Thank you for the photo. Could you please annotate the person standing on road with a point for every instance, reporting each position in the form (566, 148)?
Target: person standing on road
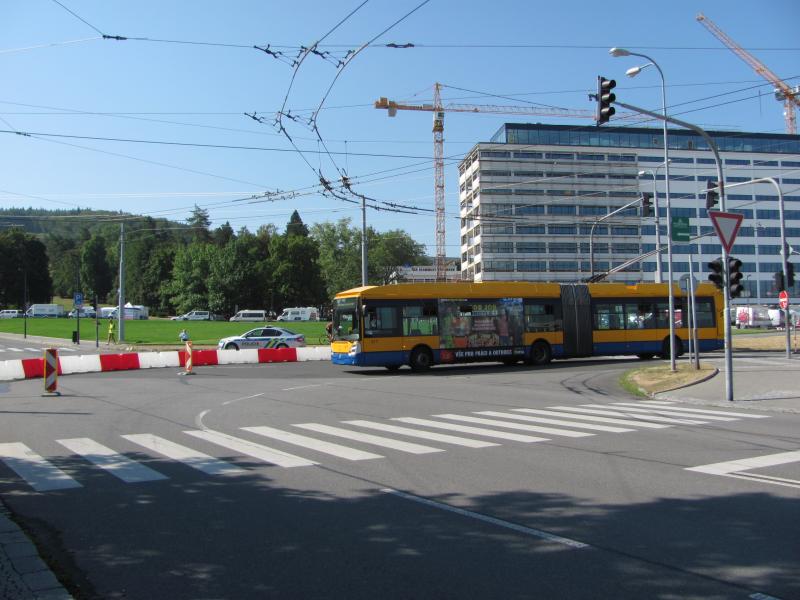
(112, 336)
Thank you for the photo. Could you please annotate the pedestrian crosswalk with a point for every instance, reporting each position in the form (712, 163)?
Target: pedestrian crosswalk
(309, 444)
(32, 349)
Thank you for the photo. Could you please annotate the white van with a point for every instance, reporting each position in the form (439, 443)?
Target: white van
(299, 313)
(45, 310)
(255, 316)
(10, 313)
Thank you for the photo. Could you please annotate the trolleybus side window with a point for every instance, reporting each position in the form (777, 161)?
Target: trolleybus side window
(542, 316)
(420, 319)
(704, 307)
(381, 321)
(609, 316)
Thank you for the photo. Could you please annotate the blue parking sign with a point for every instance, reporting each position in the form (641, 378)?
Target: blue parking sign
(78, 299)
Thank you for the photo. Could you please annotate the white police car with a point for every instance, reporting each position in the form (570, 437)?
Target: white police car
(263, 337)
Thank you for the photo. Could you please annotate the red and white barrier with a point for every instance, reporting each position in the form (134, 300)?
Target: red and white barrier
(31, 368)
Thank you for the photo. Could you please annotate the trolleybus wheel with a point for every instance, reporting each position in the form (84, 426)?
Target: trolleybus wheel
(665, 348)
(645, 355)
(421, 359)
(541, 354)
(392, 367)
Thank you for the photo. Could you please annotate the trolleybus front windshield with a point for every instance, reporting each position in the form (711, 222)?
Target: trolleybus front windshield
(345, 319)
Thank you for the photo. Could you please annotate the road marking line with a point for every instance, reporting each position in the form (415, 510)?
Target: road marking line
(301, 387)
(40, 474)
(674, 412)
(247, 448)
(487, 519)
(427, 435)
(593, 426)
(701, 412)
(15, 349)
(34, 349)
(115, 463)
(369, 439)
(193, 458)
(64, 349)
(313, 444)
(745, 464)
(555, 413)
(492, 433)
(601, 409)
(236, 400)
(520, 426)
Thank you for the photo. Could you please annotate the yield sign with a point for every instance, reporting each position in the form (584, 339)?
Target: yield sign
(727, 226)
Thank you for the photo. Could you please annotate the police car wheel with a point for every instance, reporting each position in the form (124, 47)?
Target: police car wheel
(231, 347)
(281, 346)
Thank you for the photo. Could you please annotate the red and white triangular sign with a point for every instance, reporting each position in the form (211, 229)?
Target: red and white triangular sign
(727, 226)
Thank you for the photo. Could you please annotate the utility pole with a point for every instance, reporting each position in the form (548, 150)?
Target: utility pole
(121, 307)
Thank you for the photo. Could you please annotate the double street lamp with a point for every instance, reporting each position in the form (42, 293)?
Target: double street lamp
(632, 72)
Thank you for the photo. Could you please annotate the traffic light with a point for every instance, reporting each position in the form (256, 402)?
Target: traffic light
(779, 282)
(712, 196)
(789, 274)
(716, 276)
(647, 208)
(605, 99)
(735, 277)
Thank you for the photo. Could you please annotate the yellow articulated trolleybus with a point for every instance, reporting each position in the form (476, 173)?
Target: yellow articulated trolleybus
(423, 324)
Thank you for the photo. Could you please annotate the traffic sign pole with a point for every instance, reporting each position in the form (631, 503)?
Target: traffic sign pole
(783, 302)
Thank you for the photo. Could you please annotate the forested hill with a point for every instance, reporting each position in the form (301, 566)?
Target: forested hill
(77, 222)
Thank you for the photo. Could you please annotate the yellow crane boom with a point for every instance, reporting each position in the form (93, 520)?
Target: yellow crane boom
(790, 96)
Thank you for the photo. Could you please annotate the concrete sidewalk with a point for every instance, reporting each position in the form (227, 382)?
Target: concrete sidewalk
(23, 574)
(761, 381)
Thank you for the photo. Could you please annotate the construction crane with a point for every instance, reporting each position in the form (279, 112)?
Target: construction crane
(790, 96)
(438, 111)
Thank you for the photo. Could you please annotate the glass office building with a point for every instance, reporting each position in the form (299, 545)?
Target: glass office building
(534, 198)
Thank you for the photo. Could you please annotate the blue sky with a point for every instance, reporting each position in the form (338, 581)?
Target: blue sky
(532, 52)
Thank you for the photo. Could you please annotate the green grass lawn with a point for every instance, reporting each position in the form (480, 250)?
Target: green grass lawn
(156, 331)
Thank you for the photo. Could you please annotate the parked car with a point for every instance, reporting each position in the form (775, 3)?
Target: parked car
(87, 312)
(263, 337)
(256, 316)
(10, 313)
(194, 315)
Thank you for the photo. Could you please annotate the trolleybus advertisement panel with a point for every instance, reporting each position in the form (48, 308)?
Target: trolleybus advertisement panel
(480, 329)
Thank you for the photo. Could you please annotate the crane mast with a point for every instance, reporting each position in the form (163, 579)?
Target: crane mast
(783, 93)
(438, 111)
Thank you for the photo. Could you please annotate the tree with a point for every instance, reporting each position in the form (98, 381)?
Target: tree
(188, 289)
(296, 226)
(65, 268)
(223, 234)
(295, 270)
(339, 255)
(389, 250)
(199, 222)
(96, 274)
(24, 269)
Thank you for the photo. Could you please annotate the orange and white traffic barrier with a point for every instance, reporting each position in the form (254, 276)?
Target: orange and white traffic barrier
(187, 367)
(33, 368)
(51, 371)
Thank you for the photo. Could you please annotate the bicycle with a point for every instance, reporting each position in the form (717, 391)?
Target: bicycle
(324, 339)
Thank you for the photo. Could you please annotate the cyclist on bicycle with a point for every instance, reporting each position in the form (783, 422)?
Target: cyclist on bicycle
(329, 330)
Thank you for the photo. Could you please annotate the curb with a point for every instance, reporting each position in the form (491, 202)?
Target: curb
(32, 368)
(713, 373)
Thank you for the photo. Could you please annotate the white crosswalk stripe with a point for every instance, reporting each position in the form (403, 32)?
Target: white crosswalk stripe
(531, 419)
(248, 448)
(672, 412)
(193, 458)
(427, 435)
(39, 473)
(64, 349)
(34, 349)
(482, 431)
(313, 444)
(520, 426)
(592, 418)
(618, 413)
(369, 438)
(117, 464)
(702, 411)
(16, 349)
(648, 414)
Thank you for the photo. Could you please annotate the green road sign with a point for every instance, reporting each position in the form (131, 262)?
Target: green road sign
(681, 232)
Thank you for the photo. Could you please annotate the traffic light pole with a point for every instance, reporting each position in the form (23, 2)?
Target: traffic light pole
(723, 205)
(784, 257)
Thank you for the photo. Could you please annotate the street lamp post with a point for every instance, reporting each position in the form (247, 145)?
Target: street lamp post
(659, 278)
(632, 72)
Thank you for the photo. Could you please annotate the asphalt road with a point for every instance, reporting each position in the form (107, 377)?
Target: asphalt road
(191, 505)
